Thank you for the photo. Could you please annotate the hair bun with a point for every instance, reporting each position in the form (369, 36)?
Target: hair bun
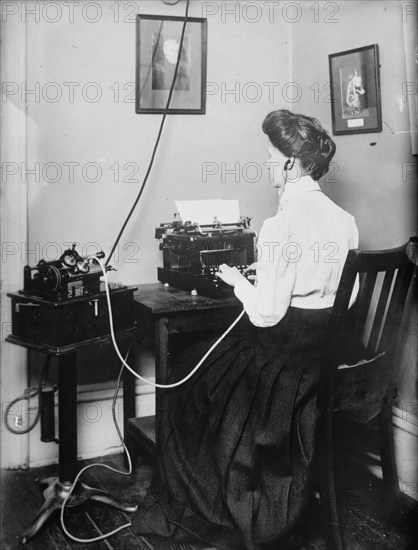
(303, 137)
(325, 149)
(320, 140)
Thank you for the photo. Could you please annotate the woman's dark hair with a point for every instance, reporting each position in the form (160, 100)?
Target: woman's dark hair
(302, 137)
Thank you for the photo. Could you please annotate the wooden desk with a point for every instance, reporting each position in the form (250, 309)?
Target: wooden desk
(165, 311)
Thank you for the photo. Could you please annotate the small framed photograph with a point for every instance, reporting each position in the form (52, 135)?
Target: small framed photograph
(158, 42)
(355, 91)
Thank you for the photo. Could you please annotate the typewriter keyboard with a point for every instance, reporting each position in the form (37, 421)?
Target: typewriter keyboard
(210, 272)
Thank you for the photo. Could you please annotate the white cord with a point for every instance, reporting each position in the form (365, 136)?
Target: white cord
(101, 537)
(112, 333)
(125, 365)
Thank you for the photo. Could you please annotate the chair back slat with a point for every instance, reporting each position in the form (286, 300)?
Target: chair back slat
(345, 287)
(381, 311)
(391, 329)
(364, 302)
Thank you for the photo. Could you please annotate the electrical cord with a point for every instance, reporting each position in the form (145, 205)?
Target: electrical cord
(29, 393)
(112, 333)
(154, 152)
(33, 392)
(125, 365)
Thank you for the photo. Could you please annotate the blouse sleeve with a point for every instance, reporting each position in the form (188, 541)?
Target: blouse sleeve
(266, 302)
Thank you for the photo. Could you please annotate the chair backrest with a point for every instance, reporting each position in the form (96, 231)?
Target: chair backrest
(375, 320)
(376, 316)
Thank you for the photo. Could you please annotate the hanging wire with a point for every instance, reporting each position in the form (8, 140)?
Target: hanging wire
(154, 152)
(29, 393)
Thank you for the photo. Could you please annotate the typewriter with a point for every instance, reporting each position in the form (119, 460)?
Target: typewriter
(192, 254)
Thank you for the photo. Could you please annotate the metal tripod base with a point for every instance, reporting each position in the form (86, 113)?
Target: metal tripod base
(56, 493)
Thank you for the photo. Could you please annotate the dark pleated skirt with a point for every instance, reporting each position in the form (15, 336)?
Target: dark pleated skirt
(237, 440)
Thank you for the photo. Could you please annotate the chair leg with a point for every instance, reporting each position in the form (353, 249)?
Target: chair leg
(328, 492)
(334, 531)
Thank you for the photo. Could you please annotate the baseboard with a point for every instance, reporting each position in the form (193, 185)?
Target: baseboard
(406, 420)
(97, 435)
(405, 429)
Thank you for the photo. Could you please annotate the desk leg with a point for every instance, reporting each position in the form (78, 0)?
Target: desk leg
(161, 369)
(67, 387)
(129, 407)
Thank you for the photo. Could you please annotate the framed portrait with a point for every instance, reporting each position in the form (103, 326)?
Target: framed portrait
(158, 41)
(355, 91)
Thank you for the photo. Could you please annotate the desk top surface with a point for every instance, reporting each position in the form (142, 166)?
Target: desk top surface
(71, 348)
(159, 300)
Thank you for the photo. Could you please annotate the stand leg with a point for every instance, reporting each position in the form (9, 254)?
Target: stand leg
(67, 384)
(51, 503)
(58, 488)
(56, 493)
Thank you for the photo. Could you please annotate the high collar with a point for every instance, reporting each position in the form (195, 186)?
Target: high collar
(296, 188)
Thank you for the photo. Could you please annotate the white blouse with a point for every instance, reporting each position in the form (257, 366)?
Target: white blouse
(301, 254)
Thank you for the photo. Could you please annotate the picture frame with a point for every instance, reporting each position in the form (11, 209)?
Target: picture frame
(157, 45)
(355, 91)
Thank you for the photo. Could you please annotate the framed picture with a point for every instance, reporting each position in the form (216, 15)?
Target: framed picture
(355, 91)
(158, 41)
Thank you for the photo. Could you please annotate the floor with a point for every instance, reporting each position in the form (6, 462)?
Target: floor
(366, 512)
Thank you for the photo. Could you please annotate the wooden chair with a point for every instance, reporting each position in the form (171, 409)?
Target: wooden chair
(373, 324)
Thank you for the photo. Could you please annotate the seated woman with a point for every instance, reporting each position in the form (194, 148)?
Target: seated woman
(236, 441)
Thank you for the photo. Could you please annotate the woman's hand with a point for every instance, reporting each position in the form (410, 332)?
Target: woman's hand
(229, 275)
(252, 272)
